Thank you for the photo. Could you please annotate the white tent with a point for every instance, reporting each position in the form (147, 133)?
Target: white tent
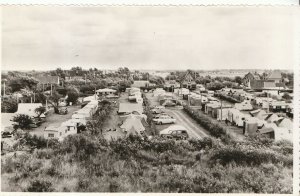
(28, 108)
(133, 125)
(282, 133)
(285, 123)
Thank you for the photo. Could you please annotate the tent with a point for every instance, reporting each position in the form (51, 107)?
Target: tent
(251, 126)
(282, 133)
(260, 114)
(271, 117)
(285, 123)
(133, 125)
(28, 108)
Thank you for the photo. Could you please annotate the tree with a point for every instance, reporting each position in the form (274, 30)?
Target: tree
(54, 101)
(238, 80)
(9, 106)
(40, 110)
(23, 121)
(18, 83)
(73, 95)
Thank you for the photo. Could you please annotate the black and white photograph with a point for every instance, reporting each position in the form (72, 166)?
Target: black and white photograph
(147, 99)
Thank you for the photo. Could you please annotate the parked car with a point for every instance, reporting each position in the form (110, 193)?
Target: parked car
(175, 132)
(164, 119)
(157, 109)
(6, 134)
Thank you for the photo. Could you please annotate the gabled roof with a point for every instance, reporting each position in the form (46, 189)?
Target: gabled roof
(274, 75)
(130, 107)
(47, 79)
(28, 108)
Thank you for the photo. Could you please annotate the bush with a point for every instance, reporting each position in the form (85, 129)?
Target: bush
(40, 186)
(253, 157)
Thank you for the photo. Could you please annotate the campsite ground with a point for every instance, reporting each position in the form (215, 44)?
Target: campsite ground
(54, 119)
(196, 131)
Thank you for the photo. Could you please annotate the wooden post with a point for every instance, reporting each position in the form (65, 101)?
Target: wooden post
(51, 89)
(221, 109)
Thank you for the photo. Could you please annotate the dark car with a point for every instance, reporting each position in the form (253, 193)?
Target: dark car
(179, 134)
(6, 135)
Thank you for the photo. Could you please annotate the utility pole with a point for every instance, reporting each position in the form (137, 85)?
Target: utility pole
(221, 110)
(34, 97)
(4, 88)
(51, 89)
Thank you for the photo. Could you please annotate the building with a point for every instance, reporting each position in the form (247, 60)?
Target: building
(170, 85)
(48, 79)
(127, 108)
(142, 84)
(189, 80)
(29, 109)
(105, 92)
(275, 76)
(250, 77)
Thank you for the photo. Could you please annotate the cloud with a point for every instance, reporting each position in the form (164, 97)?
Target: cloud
(147, 37)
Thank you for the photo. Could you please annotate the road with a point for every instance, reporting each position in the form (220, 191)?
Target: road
(194, 130)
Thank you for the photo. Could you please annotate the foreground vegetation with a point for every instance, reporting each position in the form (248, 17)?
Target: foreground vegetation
(88, 163)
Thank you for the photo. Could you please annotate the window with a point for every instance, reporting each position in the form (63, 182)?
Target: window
(51, 135)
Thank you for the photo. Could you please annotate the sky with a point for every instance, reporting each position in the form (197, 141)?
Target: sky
(144, 37)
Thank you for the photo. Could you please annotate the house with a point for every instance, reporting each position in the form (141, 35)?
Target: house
(133, 126)
(71, 127)
(54, 132)
(170, 85)
(188, 81)
(250, 77)
(275, 76)
(105, 92)
(142, 84)
(29, 109)
(127, 108)
(47, 79)
(278, 106)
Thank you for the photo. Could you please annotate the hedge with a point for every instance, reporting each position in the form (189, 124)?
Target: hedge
(214, 128)
(228, 98)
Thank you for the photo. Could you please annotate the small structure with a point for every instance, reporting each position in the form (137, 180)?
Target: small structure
(52, 132)
(285, 123)
(127, 108)
(6, 122)
(70, 126)
(105, 92)
(29, 109)
(244, 106)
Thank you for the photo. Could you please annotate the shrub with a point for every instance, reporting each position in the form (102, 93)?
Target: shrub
(40, 186)
(214, 128)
